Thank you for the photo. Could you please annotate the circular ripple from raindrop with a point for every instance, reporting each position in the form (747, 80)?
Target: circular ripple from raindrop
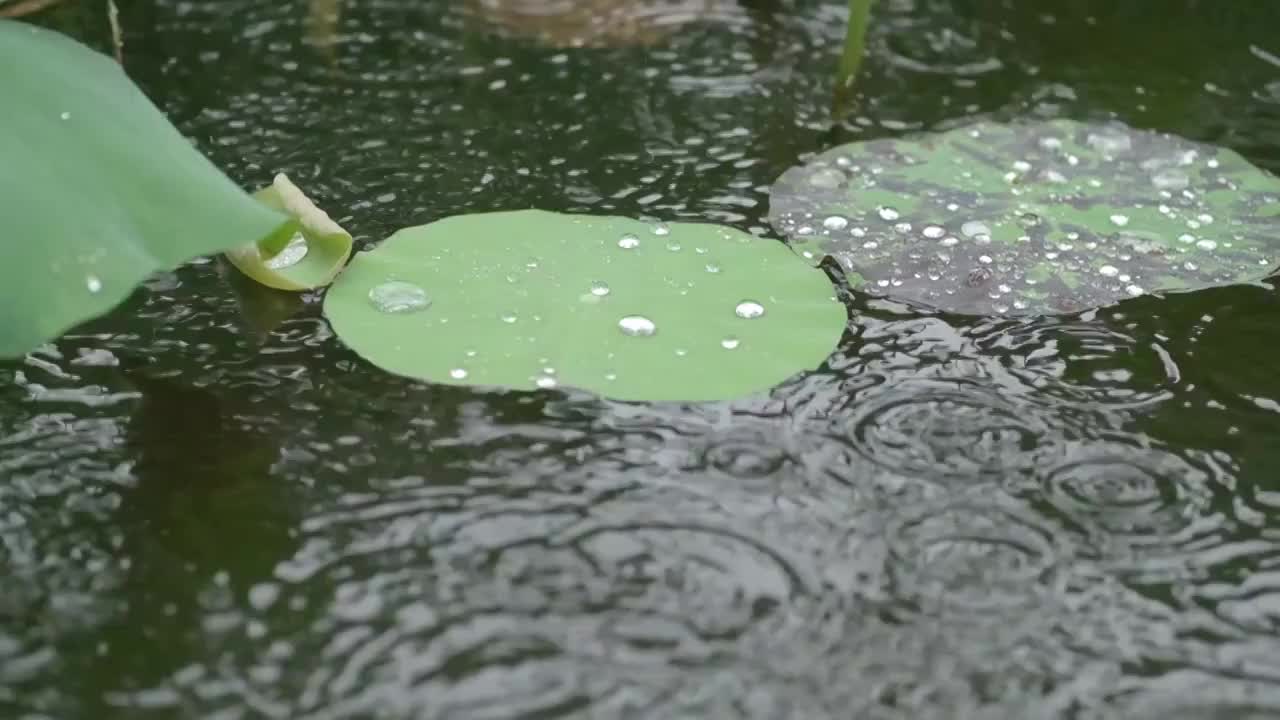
(936, 429)
(968, 556)
(1114, 490)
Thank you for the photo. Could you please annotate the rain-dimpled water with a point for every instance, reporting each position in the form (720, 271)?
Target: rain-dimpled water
(206, 514)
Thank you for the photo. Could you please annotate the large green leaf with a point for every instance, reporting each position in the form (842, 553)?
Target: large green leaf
(1033, 218)
(98, 190)
(630, 310)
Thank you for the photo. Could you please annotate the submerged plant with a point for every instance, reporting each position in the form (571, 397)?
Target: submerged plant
(1030, 218)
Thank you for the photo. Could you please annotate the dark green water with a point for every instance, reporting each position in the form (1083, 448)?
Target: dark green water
(1071, 517)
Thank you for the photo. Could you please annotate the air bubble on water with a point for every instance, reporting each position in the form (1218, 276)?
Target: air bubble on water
(1109, 270)
(629, 242)
(1054, 176)
(1021, 165)
(599, 288)
(637, 326)
(1206, 244)
(661, 228)
(973, 228)
(1187, 238)
(1205, 218)
(93, 283)
(290, 255)
(458, 374)
(886, 213)
(949, 241)
(65, 116)
(933, 232)
(984, 259)
(749, 309)
(1120, 220)
(804, 230)
(395, 296)
(836, 222)
(730, 343)
(1050, 143)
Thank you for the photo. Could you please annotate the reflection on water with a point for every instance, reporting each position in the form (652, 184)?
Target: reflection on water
(209, 508)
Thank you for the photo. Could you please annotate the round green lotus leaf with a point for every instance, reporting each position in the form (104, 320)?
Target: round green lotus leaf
(630, 310)
(1032, 218)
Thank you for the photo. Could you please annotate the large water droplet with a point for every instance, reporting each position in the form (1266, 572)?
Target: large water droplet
(1109, 143)
(673, 246)
(458, 374)
(730, 343)
(713, 268)
(93, 283)
(637, 326)
(836, 222)
(827, 178)
(661, 229)
(933, 232)
(974, 228)
(629, 242)
(1120, 220)
(395, 296)
(749, 309)
(290, 255)
(1170, 179)
(599, 289)
(1109, 270)
(887, 213)
(1207, 244)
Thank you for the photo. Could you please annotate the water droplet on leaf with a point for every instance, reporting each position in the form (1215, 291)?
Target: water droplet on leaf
(637, 326)
(290, 255)
(398, 297)
(749, 309)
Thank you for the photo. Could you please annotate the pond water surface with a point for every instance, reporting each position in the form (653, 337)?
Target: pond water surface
(955, 517)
